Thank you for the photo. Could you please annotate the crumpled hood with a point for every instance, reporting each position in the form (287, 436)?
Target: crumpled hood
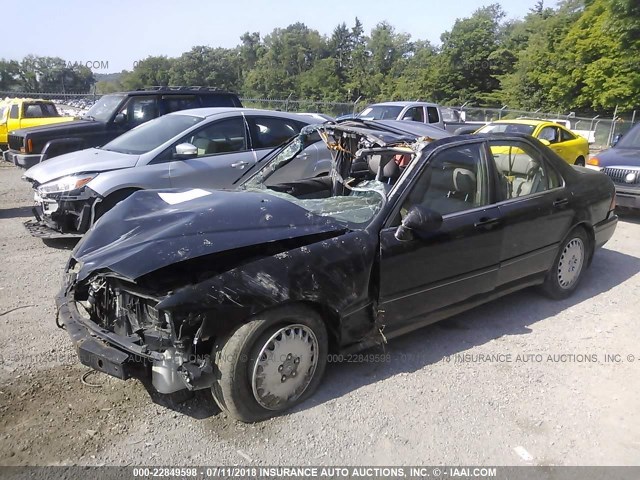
(155, 228)
(620, 157)
(82, 161)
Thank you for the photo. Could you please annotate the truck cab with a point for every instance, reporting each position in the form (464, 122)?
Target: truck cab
(422, 112)
(17, 113)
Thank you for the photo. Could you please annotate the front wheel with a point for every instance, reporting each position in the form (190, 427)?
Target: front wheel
(568, 267)
(270, 364)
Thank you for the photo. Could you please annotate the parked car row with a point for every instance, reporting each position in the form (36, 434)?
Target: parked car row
(202, 148)
(232, 249)
(108, 118)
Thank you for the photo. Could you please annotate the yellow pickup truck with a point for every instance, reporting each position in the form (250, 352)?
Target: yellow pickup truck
(18, 113)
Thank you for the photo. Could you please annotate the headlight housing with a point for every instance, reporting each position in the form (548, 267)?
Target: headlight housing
(66, 184)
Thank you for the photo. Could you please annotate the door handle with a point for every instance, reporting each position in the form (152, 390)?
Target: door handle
(240, 164)
(486, 223)
(561, 202)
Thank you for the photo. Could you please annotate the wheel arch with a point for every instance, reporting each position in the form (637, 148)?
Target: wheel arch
(588, 228)
(329, 316)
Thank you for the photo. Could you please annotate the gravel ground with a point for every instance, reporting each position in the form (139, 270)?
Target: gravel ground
(548, 396)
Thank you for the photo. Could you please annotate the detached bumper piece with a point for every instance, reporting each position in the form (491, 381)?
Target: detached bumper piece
(95, 353)
(22, 160)
(41, 230)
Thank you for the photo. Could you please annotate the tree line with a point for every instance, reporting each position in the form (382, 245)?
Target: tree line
(580, 55)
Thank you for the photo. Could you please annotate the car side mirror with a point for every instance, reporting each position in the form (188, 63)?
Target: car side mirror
(185, 151)
(545, 141)
(420, 221)
(120, 118)
(615, 140)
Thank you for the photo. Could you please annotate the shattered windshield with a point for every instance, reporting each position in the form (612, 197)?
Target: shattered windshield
(353, 190)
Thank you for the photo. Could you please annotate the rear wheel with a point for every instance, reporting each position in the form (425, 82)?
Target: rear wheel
(270, 364)
(568, 267)
(580, 161)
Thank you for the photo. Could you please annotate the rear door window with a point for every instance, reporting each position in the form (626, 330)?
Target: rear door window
(432, 114)
(269, 132)
(565, 135)
(14, 112)
(219, 101)
(521, 169)
(174, 103)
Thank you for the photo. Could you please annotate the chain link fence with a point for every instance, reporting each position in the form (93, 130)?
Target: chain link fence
(600, 130)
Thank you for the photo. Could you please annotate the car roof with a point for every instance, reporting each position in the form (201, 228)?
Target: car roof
(173, 91)
(404, 104)
(206, 112)
(526, 121)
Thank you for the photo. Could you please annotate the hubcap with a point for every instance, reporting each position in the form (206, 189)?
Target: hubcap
(570, 264)
(284, 367)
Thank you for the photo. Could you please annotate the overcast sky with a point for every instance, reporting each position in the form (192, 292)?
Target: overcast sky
(118, 32)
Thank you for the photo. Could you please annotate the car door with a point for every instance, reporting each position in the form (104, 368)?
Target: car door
(535, 208)
(223, 155)
(454, 264)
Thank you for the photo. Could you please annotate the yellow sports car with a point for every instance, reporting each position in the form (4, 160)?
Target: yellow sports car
(573, 148)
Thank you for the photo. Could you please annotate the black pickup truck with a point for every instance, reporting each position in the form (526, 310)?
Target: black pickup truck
(109, 117)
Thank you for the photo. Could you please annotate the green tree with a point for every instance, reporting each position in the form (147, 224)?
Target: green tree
(598, 67)
(149, 72)
(528, 84)
(466, 69)
(206, 66)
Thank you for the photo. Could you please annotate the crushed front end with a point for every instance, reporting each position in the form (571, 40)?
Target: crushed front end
(117, 329)
(64, 208)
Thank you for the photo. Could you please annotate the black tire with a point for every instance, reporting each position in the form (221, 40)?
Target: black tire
(565, 275)
(236, 358)
(580, 161)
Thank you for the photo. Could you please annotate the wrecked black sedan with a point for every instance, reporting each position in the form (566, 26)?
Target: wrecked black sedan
(246, 291)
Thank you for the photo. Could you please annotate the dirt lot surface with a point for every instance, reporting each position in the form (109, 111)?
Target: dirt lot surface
(524, 380)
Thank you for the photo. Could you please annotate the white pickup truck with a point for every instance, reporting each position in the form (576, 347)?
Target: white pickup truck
(423, 112)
